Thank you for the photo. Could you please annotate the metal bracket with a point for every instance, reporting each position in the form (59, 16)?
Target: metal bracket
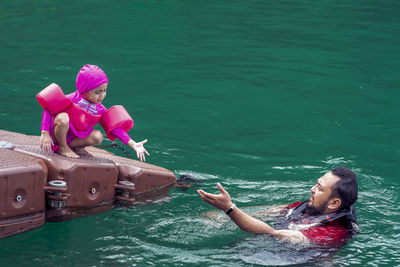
(6, 145)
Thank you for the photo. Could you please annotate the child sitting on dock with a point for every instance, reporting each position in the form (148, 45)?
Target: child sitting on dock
(59, 132)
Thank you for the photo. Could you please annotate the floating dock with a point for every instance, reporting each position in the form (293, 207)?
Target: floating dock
(36, 187)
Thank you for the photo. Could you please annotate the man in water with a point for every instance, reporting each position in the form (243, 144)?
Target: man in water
(327, 218)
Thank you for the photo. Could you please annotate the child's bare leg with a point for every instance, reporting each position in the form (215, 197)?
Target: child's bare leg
(79, 144)
(61, 127)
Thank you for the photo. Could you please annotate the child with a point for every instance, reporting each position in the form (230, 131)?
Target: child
(59, 133)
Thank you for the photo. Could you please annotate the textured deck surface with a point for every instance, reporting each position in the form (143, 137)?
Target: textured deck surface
(30, 144)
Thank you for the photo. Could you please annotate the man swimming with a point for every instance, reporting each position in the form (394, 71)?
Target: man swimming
(327, 218)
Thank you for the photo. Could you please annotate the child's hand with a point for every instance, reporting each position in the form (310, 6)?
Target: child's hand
(46, 141)
(139, 148)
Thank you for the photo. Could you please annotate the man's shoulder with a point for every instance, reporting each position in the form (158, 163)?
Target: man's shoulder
(332, 233)
(293, 205)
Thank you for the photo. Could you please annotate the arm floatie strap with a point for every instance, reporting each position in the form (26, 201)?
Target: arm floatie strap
(116, 117)
(53, 99)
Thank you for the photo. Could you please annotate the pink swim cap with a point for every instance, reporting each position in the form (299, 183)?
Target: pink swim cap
(90, 77)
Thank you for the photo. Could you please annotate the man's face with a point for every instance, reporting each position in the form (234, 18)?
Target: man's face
(321, 194)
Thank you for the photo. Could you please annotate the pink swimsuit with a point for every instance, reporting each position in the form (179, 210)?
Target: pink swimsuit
(95, 109)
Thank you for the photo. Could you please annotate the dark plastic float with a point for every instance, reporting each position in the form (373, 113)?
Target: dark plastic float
(36, 187)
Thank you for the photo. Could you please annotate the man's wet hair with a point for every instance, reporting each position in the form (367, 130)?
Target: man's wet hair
(346, 188)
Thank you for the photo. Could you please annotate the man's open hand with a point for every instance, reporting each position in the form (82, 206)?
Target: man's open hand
(221, 201)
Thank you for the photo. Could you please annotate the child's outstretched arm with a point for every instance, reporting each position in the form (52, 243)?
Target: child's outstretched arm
(127, 140)
(139, 148)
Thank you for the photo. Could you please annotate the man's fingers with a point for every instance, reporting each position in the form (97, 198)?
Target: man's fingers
(221, 188)
(204, 196)
(209, 196)
(145, 151)
(201, 193)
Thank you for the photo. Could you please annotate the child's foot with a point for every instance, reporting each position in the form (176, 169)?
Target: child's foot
(83, 151)
(66, 152)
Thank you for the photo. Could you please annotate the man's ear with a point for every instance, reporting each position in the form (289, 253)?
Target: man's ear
(334, 203)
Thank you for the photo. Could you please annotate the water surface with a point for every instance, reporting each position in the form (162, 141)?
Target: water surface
(262, 96)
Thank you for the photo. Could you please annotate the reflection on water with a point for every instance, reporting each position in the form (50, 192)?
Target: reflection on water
(267, 251)
(182, 230)
(208, 231)
(207, 236)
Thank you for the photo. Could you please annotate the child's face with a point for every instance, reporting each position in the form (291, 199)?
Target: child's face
(97, 94)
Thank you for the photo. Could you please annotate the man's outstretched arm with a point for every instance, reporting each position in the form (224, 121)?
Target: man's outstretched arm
(245, 222)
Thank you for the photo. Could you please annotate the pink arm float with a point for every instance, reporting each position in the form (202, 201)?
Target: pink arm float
(53, 100)
(116, 118)
(116, 121)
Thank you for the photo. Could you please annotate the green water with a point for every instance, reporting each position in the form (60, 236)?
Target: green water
(262, 96)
